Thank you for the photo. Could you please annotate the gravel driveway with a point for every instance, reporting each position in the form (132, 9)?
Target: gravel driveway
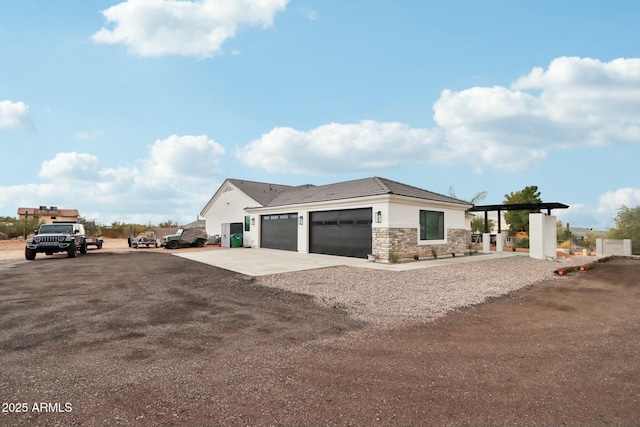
(390, 298)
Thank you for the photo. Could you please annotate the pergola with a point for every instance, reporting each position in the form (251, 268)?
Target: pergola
(531, 207)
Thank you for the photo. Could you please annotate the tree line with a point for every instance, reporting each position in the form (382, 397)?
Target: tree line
(11, 227)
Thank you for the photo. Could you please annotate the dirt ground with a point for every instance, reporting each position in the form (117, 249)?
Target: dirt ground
(138, 337)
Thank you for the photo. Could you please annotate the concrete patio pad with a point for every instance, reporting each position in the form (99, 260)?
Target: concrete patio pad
(260, 262)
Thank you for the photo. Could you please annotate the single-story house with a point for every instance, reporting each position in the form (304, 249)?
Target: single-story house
(48, 215)
(355, 218)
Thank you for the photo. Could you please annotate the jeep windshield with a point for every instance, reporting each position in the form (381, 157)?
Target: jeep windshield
(56, 229)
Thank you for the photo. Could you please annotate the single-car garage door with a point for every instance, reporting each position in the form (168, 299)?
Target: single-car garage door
(344, 232)
(279, 231)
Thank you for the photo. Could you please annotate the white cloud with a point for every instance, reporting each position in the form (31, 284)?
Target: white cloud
(88, 136)
(173, 182)
(610, 202)
(14, 115)
(581, 102)
(183, 157)
(576, 102)
(70, 167)
(189, 28)
(581, 73)
(338, 148)
(602, 215)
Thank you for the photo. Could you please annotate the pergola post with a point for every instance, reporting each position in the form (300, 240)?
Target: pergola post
(499, 239)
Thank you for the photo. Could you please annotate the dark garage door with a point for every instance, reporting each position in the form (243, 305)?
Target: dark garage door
(279, 231)
(345, 232)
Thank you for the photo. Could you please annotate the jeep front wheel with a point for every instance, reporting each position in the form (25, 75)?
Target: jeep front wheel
(71, 252)
(30, 254)
(173, 244)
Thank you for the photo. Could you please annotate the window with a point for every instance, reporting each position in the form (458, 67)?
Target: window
(431, 225)
(247, 223)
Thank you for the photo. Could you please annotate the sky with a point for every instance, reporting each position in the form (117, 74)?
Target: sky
(138, 110)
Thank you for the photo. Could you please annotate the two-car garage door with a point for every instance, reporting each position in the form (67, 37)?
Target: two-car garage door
(345, 232)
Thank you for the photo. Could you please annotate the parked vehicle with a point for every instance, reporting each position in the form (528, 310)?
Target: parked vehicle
(185, 237)
(95, 241)
(66, 237)
(147, 240)
(213, 240)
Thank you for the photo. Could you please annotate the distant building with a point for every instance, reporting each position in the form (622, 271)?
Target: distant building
(48, 215)
(580, 234)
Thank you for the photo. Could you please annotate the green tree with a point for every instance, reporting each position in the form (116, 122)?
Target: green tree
(168, 224)
(12, 227)
(91, 227)
(519, 220)
(477, 224)
(627, 226)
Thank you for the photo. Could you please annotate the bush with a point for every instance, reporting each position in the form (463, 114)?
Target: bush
(522, 243)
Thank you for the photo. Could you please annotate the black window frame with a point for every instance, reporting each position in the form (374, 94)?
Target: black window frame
(431, 225)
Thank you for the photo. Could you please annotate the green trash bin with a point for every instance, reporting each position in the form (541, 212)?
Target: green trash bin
(236, 240)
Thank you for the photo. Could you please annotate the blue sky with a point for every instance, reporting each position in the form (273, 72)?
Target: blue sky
(137, 110)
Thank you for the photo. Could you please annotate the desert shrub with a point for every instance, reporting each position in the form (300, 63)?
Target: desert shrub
(522, 243)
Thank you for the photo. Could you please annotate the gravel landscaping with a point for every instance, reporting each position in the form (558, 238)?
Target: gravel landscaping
(391, 299)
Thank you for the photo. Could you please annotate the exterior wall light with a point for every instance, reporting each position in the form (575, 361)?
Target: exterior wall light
(378, 217)
(301, 220)
(253, 221)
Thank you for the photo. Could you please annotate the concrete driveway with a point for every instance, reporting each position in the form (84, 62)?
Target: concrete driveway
(261, 262)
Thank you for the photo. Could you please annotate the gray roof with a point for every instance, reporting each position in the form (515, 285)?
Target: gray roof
(353, 189)
(261, 192)
(580, 231)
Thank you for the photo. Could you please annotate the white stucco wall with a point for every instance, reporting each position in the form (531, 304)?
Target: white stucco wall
(405, 213)
(226, 208)
(542, 236)
(396, 212)
(606, 247)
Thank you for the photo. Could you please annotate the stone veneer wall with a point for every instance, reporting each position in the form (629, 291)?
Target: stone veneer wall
(403, 242)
